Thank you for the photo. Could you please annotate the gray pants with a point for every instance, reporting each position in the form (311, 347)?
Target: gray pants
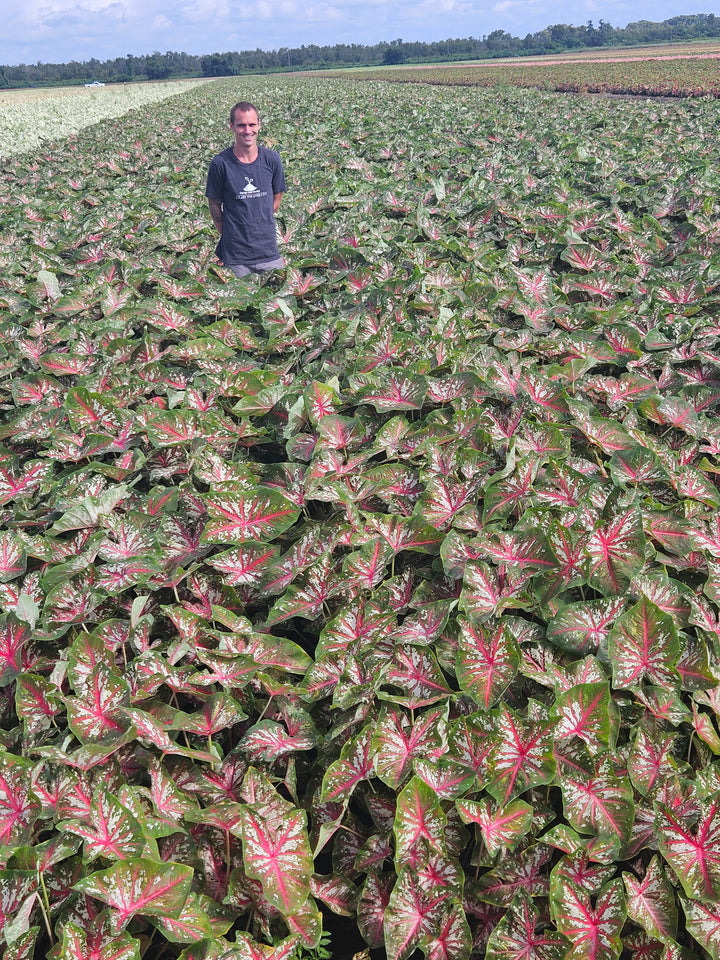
(243, 270)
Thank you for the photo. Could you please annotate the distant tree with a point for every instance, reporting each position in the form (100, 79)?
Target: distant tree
(219, 65)
(393, 55)
(500, 44)
(157, 67)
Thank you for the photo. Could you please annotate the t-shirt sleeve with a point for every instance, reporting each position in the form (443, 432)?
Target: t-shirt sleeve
(215, 186)
(278, 178)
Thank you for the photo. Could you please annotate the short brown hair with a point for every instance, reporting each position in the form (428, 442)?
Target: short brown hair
(243, 106)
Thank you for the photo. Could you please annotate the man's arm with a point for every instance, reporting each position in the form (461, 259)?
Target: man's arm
(277, 200)
(216, 213)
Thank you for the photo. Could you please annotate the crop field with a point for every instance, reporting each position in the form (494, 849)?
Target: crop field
(28, 117)
(374, 606)
(668, 71)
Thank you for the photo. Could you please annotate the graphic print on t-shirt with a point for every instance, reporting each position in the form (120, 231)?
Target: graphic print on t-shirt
(250, 190)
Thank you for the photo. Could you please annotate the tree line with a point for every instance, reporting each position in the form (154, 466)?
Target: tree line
(554, 39)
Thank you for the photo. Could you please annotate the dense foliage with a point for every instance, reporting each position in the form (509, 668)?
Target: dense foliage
(387, 589)
(553, 39)
(679, 74)
(27, 117)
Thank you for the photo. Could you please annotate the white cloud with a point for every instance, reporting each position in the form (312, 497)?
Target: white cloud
(445, 6)
(203, 11)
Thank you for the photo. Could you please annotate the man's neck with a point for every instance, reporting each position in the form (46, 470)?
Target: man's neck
(246, 156)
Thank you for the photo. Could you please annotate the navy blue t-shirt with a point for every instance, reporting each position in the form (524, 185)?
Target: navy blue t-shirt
(246, 191)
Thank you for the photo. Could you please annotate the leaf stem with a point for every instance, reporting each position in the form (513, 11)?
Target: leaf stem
(45, 906)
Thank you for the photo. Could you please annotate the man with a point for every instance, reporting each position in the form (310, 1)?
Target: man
(245, 186)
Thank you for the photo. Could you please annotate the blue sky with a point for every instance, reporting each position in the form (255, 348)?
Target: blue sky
(57, 31)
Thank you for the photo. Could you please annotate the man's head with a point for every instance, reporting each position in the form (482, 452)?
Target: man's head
(245, 124)
(243, 107)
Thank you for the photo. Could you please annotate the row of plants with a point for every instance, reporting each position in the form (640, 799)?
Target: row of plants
(649, 76)
(379, 598)
(29, 117)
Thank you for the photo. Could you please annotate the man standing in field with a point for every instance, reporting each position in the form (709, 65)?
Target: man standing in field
(245, 186)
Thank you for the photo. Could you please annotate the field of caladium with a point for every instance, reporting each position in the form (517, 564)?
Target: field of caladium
(28, 117)
(675, 71)
(378, 601)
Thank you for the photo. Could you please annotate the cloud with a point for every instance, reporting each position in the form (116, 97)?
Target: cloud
(203, 11)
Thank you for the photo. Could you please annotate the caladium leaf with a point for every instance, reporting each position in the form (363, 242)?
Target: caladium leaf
(95, 716)
(443, 499)
(139, 886)
(651, 902)
(276, 852)
(237, 516)
(263, 650)
(337, 893)
(15, 893)
(522, 754)
(192, 924)
(644, 647)
(354, 765)
(397, 741)
(636, 465)
(583, 627)
(390, 390)
(37, 702)
(416, 672)
(587, 711)
(18, 482)
(703, 923)
(452, 938)
(419, 823)
(18, 808)
(487, 659)
(593, 931)
(517, 937)
(81, 944)
(654, 759)
(506, 495)
(599, 803)
(488, 592)
(245, 948)
(604, 433)
(567, 548)
(270, 741)
(13, 558)
(365, 568)
(616, 552)
(372, 903)
(218, 712)
(576, 868)
(416, 916)
(501, 827)
(170, 803)
(693, 853)
(110, 830)
(90, 412)
(246, 564)
(14, 648)
(23, 948)
(89, 510)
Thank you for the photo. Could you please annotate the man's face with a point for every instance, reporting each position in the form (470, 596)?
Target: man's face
(245, 126)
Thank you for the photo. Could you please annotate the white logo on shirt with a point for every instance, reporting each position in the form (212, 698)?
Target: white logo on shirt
(249, 186)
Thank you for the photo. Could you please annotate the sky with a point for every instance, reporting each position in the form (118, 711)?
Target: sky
(58, 31)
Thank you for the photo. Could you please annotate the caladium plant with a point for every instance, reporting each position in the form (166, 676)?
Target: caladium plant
(375, 598)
